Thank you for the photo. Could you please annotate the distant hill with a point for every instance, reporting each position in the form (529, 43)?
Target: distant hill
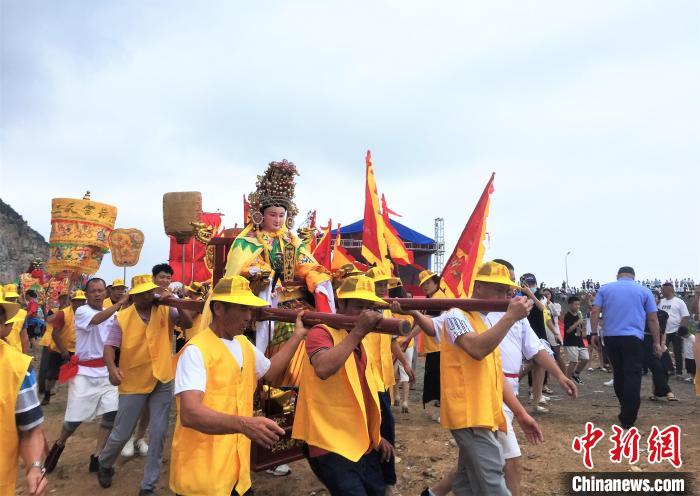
(19, 244)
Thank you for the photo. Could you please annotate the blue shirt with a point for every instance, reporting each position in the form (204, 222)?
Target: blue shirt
(625, 306)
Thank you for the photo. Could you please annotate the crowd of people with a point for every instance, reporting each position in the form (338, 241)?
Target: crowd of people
(125, 352)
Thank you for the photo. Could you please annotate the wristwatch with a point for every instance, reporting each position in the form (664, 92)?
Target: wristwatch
(37, 464)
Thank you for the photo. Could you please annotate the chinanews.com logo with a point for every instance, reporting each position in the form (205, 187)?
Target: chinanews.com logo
(663, 445)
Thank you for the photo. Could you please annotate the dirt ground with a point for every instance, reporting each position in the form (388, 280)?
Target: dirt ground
(425, 452)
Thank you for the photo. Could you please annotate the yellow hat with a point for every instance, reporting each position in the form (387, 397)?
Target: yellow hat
(236, 289)
(11, 310)
(358, 288)
(78, 295)
(377, 274)
(142, 283)
(11, 291)
(118, 283)
(495, 273)
(196, 288)
(425, 275)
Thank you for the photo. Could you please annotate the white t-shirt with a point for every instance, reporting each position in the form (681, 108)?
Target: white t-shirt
(454, 322)
(191, 374)
(688, 343)
(90, 339)
(521, 341)
(676, 309)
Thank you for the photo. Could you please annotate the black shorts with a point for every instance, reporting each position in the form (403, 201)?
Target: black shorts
(55, 362)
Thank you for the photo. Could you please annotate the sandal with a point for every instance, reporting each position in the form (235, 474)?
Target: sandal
(656, 398)
(280, 471)
(671, 397)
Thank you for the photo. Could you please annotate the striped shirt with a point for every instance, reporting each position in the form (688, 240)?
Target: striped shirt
(28, 412)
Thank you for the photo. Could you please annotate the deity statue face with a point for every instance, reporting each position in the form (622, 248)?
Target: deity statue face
(273, 219)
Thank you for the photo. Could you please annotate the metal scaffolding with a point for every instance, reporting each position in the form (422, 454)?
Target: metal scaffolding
(439, 260)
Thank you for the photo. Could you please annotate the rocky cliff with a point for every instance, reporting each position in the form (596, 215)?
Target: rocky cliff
(19, 244)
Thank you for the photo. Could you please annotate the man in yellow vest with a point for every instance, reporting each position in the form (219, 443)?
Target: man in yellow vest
(471, 378)
(61, 342)
(143, 334)
(215, 380)
(18, 336)
(338, 413)
(20, 413)
(382, 349)
(115, 292)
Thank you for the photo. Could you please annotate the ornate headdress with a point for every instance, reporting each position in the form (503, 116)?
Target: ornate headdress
(275, 188)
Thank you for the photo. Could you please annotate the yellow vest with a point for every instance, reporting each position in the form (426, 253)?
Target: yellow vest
(106, 303)
(67, 332)
(471, 390)
(14, 367)
(145, 352)
(378, 348)
(47, 339)
(331, 414)
(13, 338)
(428, 343)
(211, 465)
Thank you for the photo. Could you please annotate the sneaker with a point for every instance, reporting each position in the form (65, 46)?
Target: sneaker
(541, 409)
(279, 470)
(436, 417)
(141, 446)
(547, 389)
(47, 399)
(94, 463)
(53, 456)
(577, 379)
(544, 400)
(128, 449)
(104, 476)
(609, 383)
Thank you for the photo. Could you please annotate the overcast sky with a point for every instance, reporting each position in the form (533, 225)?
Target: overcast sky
(588, 112)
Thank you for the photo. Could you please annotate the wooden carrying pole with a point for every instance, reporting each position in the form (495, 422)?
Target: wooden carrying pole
(395, 327)
(444, 304)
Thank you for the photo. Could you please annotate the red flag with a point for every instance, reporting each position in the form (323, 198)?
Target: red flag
(387, 210)
(195, 254)
(322, 253)
(397, 250)
(467, 256)
(373, 243)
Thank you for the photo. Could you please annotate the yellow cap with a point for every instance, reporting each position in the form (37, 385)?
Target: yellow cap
(425, 275)
(78, 294)
(142, 283)
(11, 291)
(236, 289)
(11, 310)
(495, 273)
(195, 288)
(358, 288)
(377, 274)
(118, 283)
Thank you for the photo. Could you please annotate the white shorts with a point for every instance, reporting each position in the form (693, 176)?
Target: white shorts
(508, 441)
(89, 397)
(399, 372)
(551, 338)
(573, 354)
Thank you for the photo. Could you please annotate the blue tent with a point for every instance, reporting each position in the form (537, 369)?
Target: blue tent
(405, 233)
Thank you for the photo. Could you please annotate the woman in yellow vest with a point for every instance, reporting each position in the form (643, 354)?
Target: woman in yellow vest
(61, 340)
(142, 332)
(338, 414)
(215, 379)
(18, 336)
(382, 350)
(20, 414)
(471, 383)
